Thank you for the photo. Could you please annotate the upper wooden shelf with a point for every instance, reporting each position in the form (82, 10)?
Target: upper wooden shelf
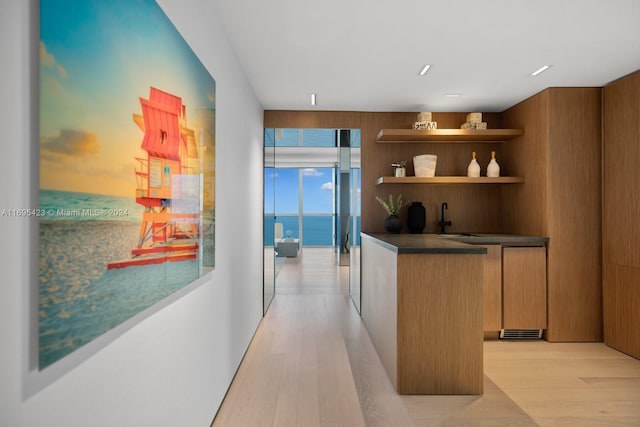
(447, 135)
(449, 180)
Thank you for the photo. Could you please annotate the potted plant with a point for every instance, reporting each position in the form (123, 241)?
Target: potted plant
(393, 223)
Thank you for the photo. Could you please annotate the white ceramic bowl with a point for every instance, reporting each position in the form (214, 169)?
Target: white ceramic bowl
(424, 165)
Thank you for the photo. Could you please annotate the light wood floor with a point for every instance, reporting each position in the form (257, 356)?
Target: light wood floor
(311, 363)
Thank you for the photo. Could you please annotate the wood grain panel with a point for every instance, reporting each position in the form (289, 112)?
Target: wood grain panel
(621, 171)
(439, 324)
(492, 294)
(524, 206)
(379, 302)
(559, 158)
(622, 308)
(524, 288)
(574, 215)
(312, 119)
(621, 210)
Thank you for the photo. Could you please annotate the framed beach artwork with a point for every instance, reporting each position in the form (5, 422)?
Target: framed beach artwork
(126, 212)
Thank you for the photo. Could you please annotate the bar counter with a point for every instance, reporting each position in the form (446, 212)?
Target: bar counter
(422, 305)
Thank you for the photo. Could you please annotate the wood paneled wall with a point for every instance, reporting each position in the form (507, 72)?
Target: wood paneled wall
(524, 208)
(472, 208)
(575, 214)
(559, 157)
(621, 214)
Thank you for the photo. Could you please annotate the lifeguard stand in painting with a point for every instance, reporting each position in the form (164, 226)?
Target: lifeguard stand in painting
(167, 183)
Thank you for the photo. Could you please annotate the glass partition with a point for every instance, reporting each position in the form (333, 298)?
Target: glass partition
(355, 215)
(269, 281)
(312, 190)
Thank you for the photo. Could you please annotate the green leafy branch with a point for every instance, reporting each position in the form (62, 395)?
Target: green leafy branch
(391, 206)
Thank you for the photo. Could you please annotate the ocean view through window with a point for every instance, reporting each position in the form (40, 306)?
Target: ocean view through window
(315, 227)
(303, 181)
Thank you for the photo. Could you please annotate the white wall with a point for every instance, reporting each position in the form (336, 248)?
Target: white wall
(172, 368)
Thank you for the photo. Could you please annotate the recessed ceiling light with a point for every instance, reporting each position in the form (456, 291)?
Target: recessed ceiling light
(313, 99)
(425, 69)
(540, 70)
(452, 95)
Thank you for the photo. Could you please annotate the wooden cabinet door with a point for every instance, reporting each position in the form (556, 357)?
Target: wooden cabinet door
(524, 287)
(493, 288)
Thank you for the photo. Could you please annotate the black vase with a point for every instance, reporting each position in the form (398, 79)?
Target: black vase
(393, 224)
(417, 218)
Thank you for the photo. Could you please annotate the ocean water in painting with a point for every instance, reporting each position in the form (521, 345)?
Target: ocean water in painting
(73, 206)
(80, 299)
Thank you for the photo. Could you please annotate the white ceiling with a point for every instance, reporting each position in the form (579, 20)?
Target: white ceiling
(365, 55)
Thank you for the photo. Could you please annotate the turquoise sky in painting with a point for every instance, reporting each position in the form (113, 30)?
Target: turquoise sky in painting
(97, 59)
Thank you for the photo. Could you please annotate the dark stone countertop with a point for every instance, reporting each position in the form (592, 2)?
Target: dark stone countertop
(454, 243)
(422, 244)
(495, 239)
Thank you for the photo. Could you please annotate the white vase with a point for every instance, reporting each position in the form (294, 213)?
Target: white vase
(473, 170)
(425, 165)
(493, 169)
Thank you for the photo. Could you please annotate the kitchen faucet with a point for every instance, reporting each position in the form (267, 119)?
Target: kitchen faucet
(442, 222)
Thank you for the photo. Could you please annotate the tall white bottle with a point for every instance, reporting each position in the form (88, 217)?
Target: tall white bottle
(473, 170)
(493, 169)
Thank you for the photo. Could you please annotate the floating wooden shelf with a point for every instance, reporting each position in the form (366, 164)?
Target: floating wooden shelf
(449, 180)
(447, 135)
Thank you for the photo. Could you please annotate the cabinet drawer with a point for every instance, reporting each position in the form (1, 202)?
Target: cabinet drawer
(524, 287)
